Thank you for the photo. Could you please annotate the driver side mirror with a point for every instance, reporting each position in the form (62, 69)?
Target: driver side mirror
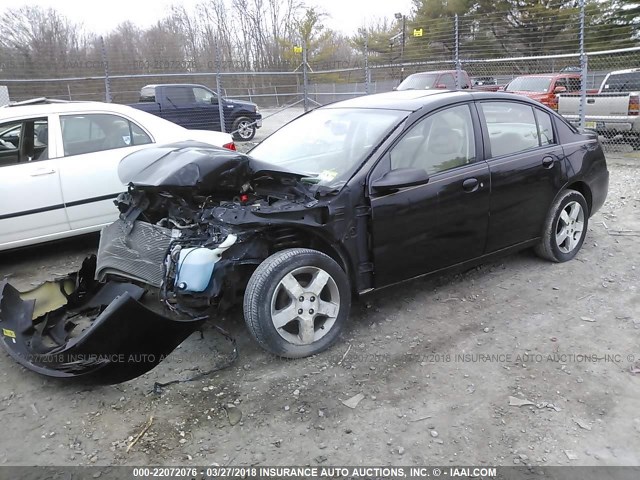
(400, 178)
(559, 89)
(441, 85)
(214, 100)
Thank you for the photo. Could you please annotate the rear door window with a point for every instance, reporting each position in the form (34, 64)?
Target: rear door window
(88, 133)
(511, 126)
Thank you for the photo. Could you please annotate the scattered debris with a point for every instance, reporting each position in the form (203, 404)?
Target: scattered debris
(587, 319)
(634, 369)
(434, 434)
(421, 418)
(548, 405)
(582, 424)
(234, 414)
(624, 233)
(345, 355)
(400, 450)
(519, 402)
(571, 455)
(353, 401)
(142, 432)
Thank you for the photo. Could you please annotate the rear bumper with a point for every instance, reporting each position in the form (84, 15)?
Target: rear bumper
(103, 333)
(620, 124)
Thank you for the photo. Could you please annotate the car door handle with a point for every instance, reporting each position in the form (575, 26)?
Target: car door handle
(42, 171)
(591, 100)
(470, 185)
(547, 162)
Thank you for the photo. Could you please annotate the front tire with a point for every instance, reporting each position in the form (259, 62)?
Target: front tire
(297, 302)
(565, 228)
(244, 128)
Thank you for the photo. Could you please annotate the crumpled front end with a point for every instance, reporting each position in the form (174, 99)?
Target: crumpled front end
(77, 327)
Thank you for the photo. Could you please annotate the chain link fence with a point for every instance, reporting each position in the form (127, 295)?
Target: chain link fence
(480, 49)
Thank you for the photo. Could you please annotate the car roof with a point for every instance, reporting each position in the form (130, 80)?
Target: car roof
(412, 100)
(10, 111)
(551, 75)
(432, 71)
(628, 70)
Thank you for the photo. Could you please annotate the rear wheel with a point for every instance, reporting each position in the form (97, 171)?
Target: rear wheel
(244, 129)
(565, 228)
(297, 302)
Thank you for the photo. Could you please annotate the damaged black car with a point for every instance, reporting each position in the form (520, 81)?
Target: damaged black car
(346, 199)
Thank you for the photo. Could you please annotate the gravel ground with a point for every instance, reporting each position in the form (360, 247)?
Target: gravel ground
(518, 361)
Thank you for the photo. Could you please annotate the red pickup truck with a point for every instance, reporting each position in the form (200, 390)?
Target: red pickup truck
(544, 87)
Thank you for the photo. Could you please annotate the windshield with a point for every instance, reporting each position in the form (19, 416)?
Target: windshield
(329, 144)
(622, 82)
(419, 81)
(530, 84)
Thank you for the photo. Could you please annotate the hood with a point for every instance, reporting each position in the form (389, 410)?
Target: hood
(243, 103)
(195, 165)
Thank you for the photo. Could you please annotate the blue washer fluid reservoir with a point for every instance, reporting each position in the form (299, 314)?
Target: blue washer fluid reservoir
(196, 264)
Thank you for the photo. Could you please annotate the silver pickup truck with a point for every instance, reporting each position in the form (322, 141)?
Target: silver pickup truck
(614, 110)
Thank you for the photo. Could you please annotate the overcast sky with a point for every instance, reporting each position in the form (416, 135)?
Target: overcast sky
(103, 15)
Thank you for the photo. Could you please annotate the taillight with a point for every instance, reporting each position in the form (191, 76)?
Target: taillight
(230, 146)
(634, 105)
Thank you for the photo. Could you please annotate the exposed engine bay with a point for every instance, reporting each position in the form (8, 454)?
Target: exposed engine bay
(195, 228)
(194, 224)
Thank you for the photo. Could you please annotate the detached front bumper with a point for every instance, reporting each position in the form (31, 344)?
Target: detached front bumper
(96, 331)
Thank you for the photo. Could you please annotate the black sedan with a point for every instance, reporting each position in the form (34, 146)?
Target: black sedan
(351, 197)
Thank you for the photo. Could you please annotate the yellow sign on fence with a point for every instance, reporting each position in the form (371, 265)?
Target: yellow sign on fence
(297, 49)
(417, 32)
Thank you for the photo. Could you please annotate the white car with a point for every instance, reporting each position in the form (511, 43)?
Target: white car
(59, 162)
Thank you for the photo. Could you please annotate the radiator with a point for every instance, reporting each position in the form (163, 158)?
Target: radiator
(139, 255)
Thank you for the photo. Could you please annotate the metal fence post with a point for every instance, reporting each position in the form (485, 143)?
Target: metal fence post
(367, 73)
(583, 68)
(223, 127)
(105, 64)
(457, 53)
(305, 80)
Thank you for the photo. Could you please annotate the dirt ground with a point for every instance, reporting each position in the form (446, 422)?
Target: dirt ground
(436, 360)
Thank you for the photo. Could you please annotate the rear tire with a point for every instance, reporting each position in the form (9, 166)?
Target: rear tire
(565, 228)
(244, 128)
(297, 302)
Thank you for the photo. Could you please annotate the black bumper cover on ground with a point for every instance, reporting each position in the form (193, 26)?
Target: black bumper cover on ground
(119, 338)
